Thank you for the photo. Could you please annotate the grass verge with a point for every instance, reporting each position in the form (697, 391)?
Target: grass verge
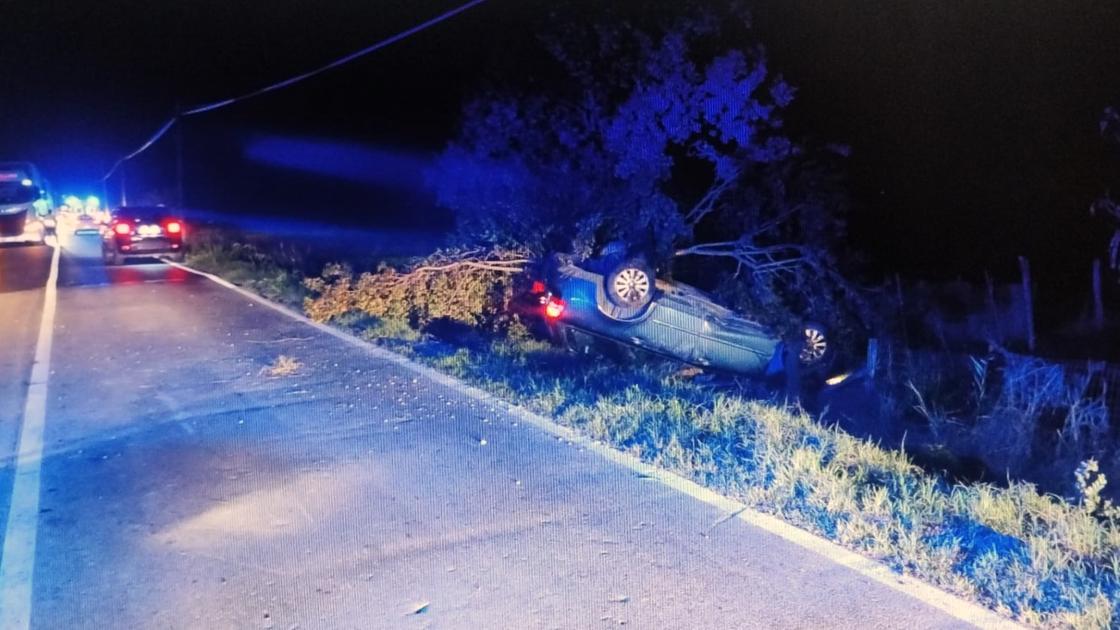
(272, 269)
(1033, 557)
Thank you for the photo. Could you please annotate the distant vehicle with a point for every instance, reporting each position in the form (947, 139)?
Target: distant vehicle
(25, 203)
(80, 222)
(78, 217)
(142, 231)
(622, 302)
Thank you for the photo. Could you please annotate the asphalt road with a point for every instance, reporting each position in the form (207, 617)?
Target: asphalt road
(185, 487)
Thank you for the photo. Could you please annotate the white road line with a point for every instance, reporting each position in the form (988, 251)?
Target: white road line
(17, 566)
(952, 605)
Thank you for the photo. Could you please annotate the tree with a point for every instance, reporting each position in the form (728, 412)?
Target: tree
(672, 141)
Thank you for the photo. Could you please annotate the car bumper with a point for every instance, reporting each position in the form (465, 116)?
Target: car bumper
(32, 233)
(13, 224)
(148, 246)
(85, 228)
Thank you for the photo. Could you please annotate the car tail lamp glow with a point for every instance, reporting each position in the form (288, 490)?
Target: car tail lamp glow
(122, 228)
(554, 308)
(174, 227)
(538, 287)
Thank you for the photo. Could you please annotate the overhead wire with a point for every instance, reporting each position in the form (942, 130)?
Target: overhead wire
(209, 107)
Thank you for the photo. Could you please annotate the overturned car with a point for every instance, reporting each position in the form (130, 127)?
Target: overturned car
(623, 302)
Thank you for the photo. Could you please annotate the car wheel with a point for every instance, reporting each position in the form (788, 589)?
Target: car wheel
(112, 257)
(814, 347)
(178, 256)
(631, 284)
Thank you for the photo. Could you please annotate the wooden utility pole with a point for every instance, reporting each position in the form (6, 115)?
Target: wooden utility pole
(178, 157)
(1028, 299)
(124, 184)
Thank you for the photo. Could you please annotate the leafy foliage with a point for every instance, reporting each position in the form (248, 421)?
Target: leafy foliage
(671, 141)
(473, 288)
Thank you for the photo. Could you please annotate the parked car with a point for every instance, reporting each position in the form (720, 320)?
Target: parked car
(621, 301)
(142, 231)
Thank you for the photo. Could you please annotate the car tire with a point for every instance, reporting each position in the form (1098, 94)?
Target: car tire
(630, 285)
(112, 258)
(178, 256)
(814, 347)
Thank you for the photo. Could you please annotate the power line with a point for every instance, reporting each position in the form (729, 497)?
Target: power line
(209, 107)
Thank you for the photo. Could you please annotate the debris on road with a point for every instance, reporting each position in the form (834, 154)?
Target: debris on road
(420, 609)
(284, 365)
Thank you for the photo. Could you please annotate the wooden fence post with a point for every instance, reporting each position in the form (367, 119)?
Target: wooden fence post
(901, 310)
(993, 309)
(872, 357)
(1025, 269)
(1098, 301)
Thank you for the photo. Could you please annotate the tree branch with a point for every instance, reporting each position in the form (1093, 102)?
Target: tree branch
(707, 203)
(759, 260)
(516, 265)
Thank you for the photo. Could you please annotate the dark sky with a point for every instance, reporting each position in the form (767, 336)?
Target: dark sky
(972, 124)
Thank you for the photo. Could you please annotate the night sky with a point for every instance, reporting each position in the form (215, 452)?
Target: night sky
(973, 125)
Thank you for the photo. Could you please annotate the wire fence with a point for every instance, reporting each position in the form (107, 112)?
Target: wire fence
(1093, 380)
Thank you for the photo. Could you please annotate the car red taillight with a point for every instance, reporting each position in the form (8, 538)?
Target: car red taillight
(554, 308)
(122, 228)
(538, 287)
(174, 227)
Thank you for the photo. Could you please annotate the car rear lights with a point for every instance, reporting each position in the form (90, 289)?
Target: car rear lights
(122, 228)
(538, 287)
(554, 308)
(174, 227)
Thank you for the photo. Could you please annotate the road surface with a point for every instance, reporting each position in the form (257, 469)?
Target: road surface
(183, 486)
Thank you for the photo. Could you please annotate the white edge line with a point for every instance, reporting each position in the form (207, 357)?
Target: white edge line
(17, 567)
(948, 603)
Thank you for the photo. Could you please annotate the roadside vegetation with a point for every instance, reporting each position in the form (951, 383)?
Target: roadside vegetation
(1045, 558)
(270, 267)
